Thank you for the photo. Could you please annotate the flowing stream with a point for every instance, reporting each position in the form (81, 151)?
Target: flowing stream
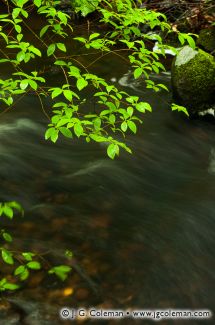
(141, 227)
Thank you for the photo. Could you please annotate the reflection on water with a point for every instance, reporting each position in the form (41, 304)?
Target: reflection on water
(141, 227)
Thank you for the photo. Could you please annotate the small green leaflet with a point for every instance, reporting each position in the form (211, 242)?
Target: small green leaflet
(34, 265)
(68, 94)
(61, 271)
(124, 126)
(112, 150)
(38, 3)
(51, 49)
(20, 56)
(51, 133)
(66, 132)
(33, 84)
(5, 285)
(19, 270)
(81, 83)
(56, 92)
(24, 84)
(94, 35)
(143, 106)
(44, 30)
(7, 237)
(61, 47)
(34, 50)
(24, 275)
(7, 256)
(78, 129)
(8, 211)
(179, 108)
(74, 72)
(138, 72)
(132, 126)
(28, 256)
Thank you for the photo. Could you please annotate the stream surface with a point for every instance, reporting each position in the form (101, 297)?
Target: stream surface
(141, 227)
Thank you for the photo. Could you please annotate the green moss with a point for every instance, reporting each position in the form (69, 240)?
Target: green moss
(206, 40)
(194, 81)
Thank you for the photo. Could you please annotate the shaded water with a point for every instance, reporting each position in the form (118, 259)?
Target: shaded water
(141, 227)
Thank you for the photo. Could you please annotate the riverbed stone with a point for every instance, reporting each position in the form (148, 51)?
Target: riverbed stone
(9, 314)
(193, 79)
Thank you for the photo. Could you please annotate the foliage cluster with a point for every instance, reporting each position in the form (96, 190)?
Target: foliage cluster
(117, 112)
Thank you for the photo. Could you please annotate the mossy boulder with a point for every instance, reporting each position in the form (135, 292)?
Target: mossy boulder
(193, 79)
(206, 40)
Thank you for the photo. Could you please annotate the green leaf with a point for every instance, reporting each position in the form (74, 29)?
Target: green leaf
(16, 12)
(181, 38)
(78, 129)
(24, 275)
(20, 269)
(51, 133)
(81, 83)
(68, 94)
(7, 237)
(19, 37)
(74, 72)
(130, 111)
(66, 132)
(51, 49)
(11, 286)
(44, 30)
(143, 106)
(20, 56)
(112, 118)
(163, 87)
(6, 40)
(33, 84)
(38, 3)
(124, 126)
(138, 72)
(24, 84)
(111, 105)
(15, 205)
(7, 256)
(80, 39)
(61, 271)
(54, 136)
(94, 35)
(63, 17)
(56, 92)
(98, 138)
(60, 121)
(97, 123)
(61, 47)
(60, 62)
(34, 265)
(191, 42)
(18, 29)
(112, 150)
(8, 211)
(132, 126)
(179, 108)
(28, 256)
(34, 50)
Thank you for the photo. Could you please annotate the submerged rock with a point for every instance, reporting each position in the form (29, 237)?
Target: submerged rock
(193, 79)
